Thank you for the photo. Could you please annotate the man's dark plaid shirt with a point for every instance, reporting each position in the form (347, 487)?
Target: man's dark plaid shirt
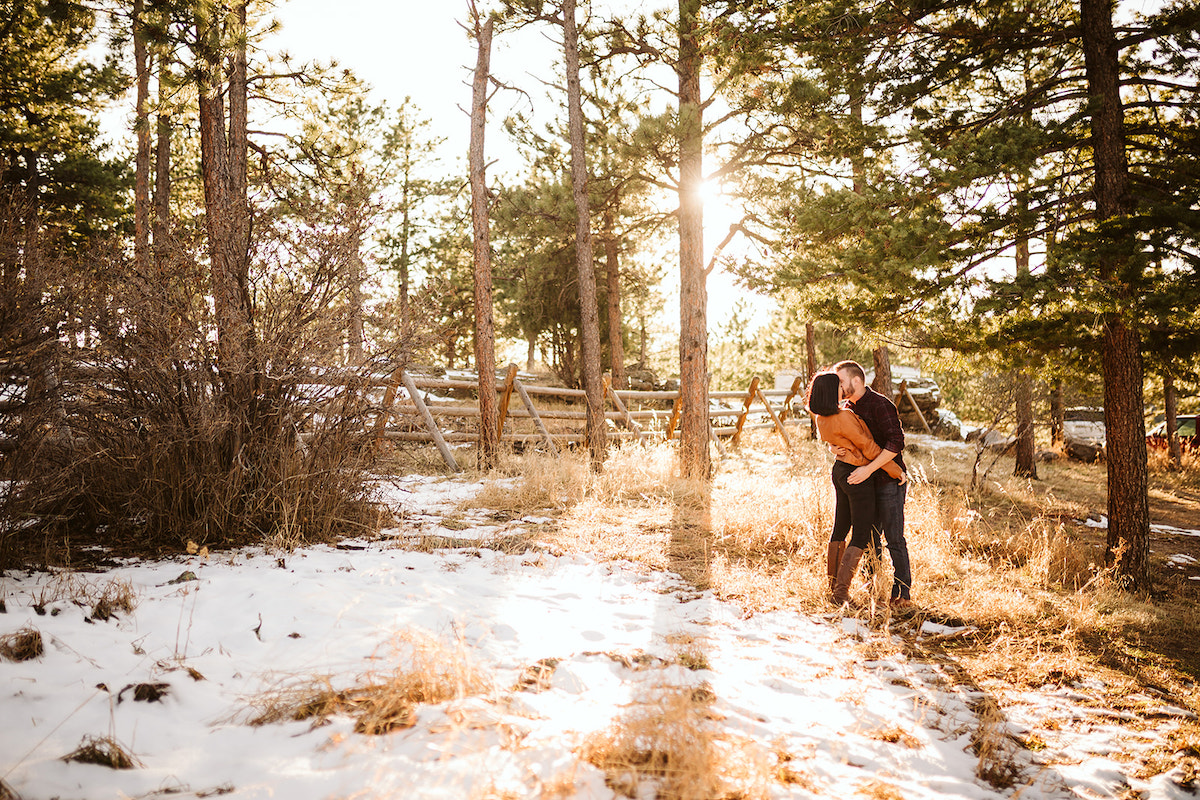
(883, 421)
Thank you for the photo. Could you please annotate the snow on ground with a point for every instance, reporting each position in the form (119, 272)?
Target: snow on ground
(855, 715)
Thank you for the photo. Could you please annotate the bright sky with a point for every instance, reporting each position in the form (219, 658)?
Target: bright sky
(419, 49)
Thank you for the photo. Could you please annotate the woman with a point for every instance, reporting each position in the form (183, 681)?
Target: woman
(854, 512)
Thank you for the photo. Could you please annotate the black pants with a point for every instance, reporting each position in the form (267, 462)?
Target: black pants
(854, 512)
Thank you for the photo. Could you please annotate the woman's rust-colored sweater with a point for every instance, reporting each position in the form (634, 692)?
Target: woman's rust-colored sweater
(845, 429)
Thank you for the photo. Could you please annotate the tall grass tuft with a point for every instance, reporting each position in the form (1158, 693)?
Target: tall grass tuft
(427, 671)
(667, 746)
(22, 645)
(103, 751)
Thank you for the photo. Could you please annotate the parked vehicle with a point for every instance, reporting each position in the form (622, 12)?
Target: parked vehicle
(1185, 427)
(1084, 435)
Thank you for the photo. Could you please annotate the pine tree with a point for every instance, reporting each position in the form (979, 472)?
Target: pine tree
(1020, 131)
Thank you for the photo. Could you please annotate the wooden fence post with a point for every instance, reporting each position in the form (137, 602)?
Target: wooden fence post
(674, 418)
(389, 398)
(537, 420)
(797, 384)
(778, 422)
(508, 390)
(629, 423)
(741, 420)
(434, 431)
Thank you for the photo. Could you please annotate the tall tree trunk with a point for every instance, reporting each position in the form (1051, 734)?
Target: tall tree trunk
(485, 327)
(883, 372)
(1025, 466)
(1056, 413)
(141, 127)
(1128, 489)
(616, 343)
(589, 312)
(810, 350)
(643, 340)
(531, 353)
(355, 279)
(162, 172)
(223, 165)
(1171, 405)
(694, 430)
(402, 276)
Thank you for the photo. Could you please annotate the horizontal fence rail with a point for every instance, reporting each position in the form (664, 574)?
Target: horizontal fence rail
(409, 408)
(661, 422)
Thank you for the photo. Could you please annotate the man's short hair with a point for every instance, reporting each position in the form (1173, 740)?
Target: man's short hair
(852, 367)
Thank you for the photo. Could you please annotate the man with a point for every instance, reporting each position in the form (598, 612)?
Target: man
(883, 421)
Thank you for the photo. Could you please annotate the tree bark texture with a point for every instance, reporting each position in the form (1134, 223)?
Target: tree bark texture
(810, 350)
(1171, 406)
(589, 312)
(1124, 402)
(141, 127)
(161, 227)
(485, 326)
(402, 277)
(1025, 466)
(1125, 450)
(612, 263)
(1056, 413)
(883, 372)
(355, 279)
(694, 430)
(223, 164)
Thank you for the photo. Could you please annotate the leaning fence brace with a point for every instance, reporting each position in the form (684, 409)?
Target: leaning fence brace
(755, 400)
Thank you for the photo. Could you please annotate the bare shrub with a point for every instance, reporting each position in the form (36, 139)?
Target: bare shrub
(22, 645)
(150, 440)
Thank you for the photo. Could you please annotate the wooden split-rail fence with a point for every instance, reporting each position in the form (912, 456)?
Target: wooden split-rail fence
(642, 414)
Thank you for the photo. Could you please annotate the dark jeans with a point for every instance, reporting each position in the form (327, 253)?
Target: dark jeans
(889, 504)
(855, 509)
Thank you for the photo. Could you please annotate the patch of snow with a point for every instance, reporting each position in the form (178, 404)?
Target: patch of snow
(252, 622)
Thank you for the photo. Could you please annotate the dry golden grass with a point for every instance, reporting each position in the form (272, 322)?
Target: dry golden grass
(667, 742)
(114, 596)
(878, 790)
(1005, 560)
(427, 671)
(22, 645)
(105, 598)
(895, 735)
(994, 746)
(103, 751)
(1186, 477)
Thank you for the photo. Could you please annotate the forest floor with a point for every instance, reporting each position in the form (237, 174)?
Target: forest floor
(545, 632)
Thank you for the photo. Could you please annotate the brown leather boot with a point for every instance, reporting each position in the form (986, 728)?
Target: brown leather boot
(833, 560)
(846, 572)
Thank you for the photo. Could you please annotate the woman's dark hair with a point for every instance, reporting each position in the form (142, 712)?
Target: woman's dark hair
(823, 395)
